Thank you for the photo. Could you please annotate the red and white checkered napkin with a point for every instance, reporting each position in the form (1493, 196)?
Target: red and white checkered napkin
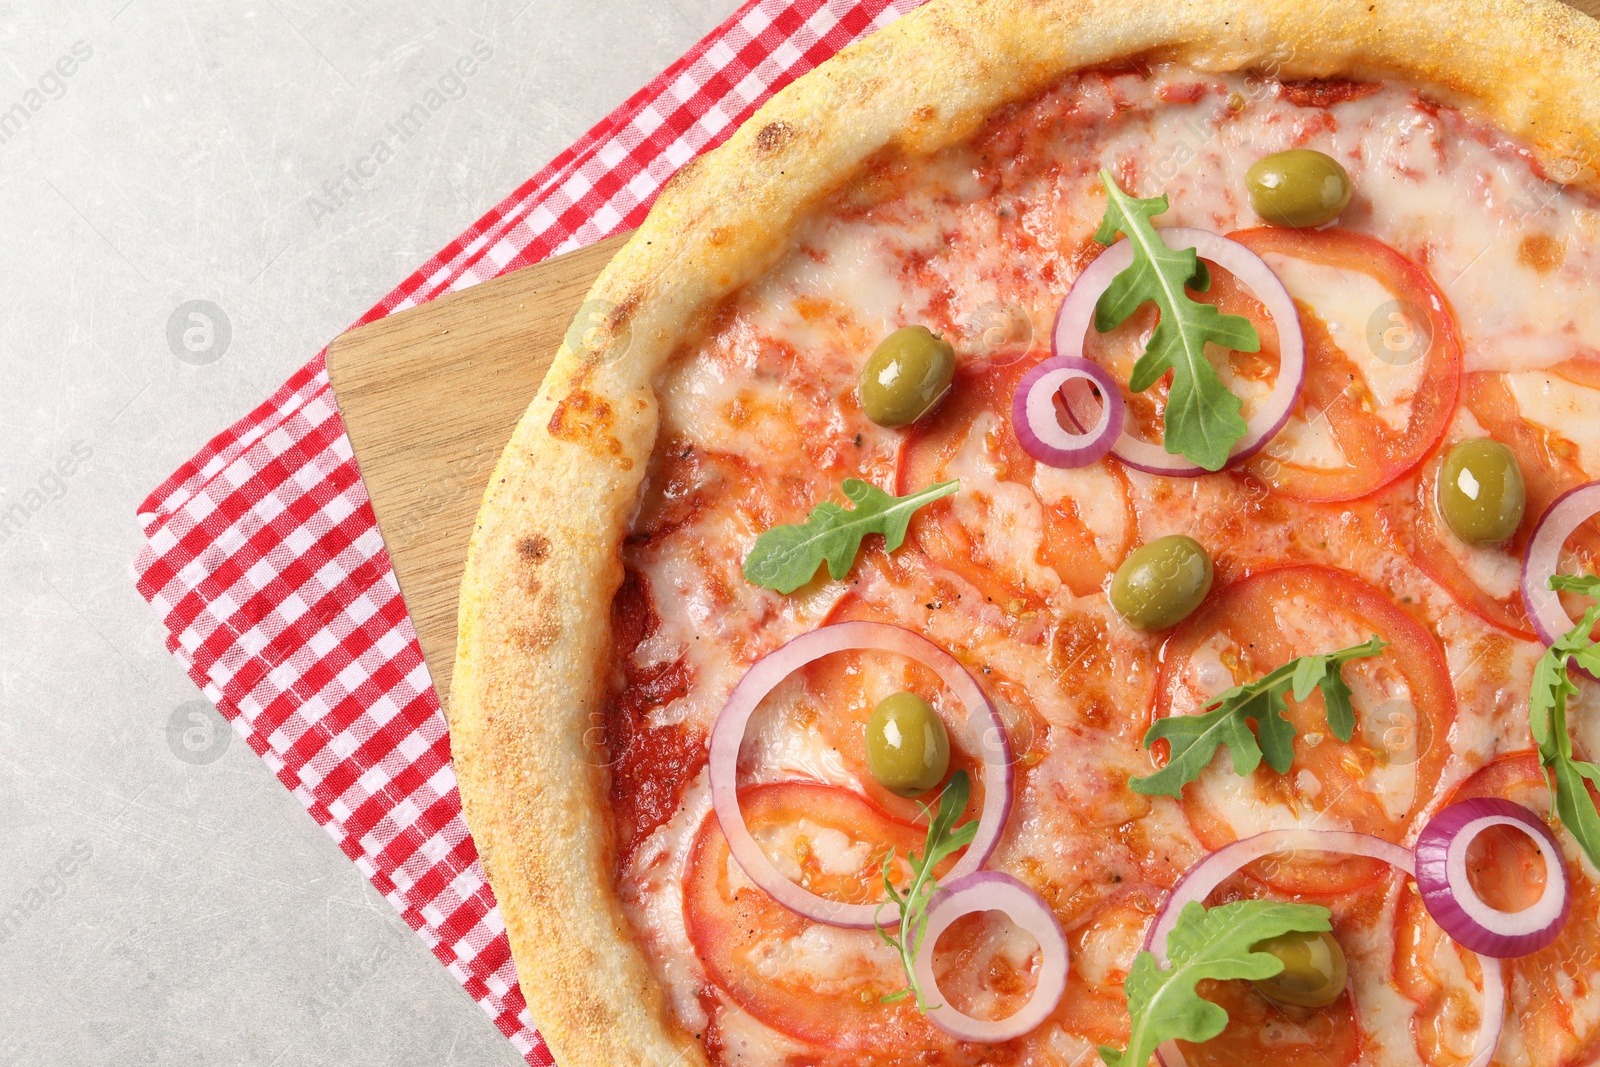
(267, 566)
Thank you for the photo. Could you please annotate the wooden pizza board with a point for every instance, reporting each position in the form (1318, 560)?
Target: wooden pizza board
(429, 397)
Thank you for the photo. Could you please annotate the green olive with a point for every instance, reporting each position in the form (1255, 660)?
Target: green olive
(1299, 188)
(1159, 584)
(1481, 495)
(908, 750)
(1314, 970)
(906, 376)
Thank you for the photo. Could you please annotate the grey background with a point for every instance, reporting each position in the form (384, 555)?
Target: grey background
(180, 906)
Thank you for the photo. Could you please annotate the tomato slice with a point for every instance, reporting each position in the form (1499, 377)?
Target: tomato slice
(1342, 393)
(817, 983)
(1039, 525)
(1103, 943)
(1551, 1014)
(646, 759)
(1376, 782)
(1485, 580)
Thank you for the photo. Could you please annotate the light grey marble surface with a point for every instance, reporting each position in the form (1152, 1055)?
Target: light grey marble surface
(175, 908)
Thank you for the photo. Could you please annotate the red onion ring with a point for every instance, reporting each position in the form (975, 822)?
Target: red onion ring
(984, 733)
(994, 891)
(1039, 430)
(1448, 895)
(1568, 512)
(1204, 877)
(1077, 315)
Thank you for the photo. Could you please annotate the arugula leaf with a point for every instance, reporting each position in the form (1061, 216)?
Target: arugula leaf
(1570, 800)
(1206, 943)
(1572, 803)
(1315, 672)
(787, 557)
(1202, 416)
(1195, 738)
(1588, 584)
(944, 840)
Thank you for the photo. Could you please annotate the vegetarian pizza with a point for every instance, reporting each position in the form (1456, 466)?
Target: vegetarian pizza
(1071, 539)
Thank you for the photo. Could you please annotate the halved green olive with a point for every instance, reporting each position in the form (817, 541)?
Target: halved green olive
(906, 376)
(1159, 584)
(1314, 970)
(1481, 495)
(908, 750)
(1300, 187)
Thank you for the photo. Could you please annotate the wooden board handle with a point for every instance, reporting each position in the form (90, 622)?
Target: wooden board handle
(429, 397)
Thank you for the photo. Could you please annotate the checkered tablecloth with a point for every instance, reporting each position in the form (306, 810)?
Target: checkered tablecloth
(266, 565)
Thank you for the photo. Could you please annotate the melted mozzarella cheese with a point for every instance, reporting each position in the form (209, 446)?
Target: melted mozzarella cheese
(831, 961)
(1242, 804)
(783, 742)
(1308, 441)
(1492, 568)
(856, 273)
(1565, 409)
(1519, 351)
(652, 891)
(1354, 307)
(1092, 493)
(1009, 513)
(1107, 954)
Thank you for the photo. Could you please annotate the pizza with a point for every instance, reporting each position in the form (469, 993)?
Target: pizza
(1070, 539)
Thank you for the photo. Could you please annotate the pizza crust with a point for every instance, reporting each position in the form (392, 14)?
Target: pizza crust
(525, 713)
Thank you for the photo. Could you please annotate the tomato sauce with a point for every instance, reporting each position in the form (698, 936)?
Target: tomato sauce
(1322, 92)
(648, 763)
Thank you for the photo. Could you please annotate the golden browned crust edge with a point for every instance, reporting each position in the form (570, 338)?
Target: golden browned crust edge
(544, 566)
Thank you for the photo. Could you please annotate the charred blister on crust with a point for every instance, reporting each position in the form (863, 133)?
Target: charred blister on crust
(773, 137)
(583, 418)
(579, 415)
(530, 619)
(538, 634)
(533, 548)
